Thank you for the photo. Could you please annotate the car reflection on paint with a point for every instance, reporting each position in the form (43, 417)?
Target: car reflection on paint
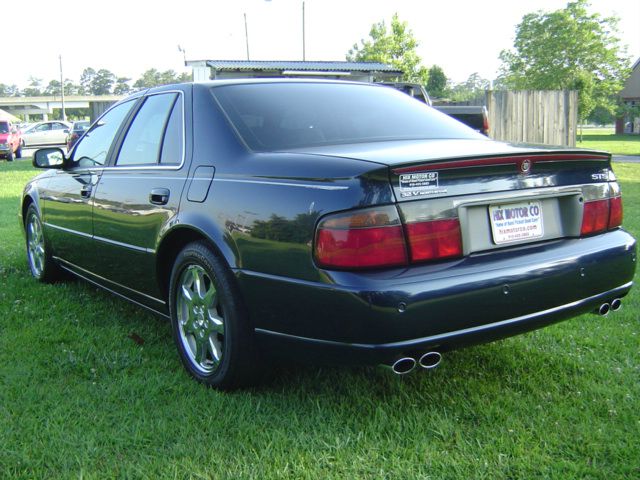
(329, 221)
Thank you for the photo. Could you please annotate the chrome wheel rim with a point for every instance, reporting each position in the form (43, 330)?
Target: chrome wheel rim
(200, 319)
(35, 245)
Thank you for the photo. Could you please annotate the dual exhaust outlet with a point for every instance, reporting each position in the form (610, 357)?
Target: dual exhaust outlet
(429, 360)
(613, 306)
(404, 365)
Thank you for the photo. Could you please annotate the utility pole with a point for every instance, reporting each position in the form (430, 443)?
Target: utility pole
(246, 34)
(64, 114)
(303, 35)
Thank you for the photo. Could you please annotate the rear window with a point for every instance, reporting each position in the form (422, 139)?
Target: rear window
(280, 116)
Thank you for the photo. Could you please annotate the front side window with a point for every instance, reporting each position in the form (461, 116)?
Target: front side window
(45, 127)
(143, 143)
(93, 148)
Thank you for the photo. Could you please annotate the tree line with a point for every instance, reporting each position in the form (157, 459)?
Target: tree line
(570, 48)
(95, 82)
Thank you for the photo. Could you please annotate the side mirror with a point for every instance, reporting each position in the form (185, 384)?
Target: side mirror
(48, 158)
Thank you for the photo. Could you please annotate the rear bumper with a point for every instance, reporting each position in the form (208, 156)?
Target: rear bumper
(374, 316)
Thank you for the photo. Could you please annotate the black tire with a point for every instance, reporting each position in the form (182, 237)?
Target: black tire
(10, 156)
(41, 265)
(210, 325)
(19, 151)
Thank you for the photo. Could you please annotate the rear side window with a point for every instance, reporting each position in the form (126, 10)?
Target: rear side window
(144, 141)
(173, 137)
(280, 116)
(94, 146)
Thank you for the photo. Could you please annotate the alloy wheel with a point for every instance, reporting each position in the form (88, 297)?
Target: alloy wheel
(200, 319)
(35, 245)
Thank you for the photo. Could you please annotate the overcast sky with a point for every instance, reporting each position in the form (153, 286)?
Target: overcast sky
(129, 37)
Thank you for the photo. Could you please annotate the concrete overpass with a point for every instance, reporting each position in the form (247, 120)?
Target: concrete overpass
(43, 106)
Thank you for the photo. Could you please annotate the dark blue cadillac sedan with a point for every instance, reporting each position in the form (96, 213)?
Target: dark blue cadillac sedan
(342, 222)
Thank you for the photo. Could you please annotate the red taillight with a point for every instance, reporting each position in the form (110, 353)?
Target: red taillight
(595, 217)
(434, 240)
(615, 212)
(366, 239)
(601, 215)
(375, 238)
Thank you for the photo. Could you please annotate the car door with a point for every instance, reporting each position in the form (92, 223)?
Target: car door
(139, 194)
(58, 134)
(68, 196)
(38, 135)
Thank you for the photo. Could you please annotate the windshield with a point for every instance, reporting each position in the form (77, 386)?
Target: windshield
(280, 116)
(4, 127)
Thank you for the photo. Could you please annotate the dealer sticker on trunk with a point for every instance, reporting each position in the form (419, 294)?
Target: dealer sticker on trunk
(417, 184)
(516, 221)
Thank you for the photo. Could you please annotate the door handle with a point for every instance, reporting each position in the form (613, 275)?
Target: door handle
(85, 191)
(159, 196)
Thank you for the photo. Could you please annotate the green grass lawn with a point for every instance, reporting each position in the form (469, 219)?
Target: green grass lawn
(80, 399)
(605, 139)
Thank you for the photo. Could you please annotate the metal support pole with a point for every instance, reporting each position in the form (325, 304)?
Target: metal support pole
(246, 34)
(64, 114)
(304, 56)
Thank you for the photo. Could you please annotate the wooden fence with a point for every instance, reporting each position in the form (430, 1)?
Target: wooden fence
(547, 117)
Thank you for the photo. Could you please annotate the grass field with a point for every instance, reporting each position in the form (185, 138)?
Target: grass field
(605, 139)
(80, 399)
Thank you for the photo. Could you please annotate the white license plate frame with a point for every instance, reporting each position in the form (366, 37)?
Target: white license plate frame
(516, 222)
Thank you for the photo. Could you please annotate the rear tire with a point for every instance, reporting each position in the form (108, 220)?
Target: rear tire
(41, 265)
(210, 325)
(10, 156)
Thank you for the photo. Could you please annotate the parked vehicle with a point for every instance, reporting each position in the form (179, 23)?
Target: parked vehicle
(10, 146)
(414, 90)
(474, 116)
(77, 130)
(46, 133)
(334, 221)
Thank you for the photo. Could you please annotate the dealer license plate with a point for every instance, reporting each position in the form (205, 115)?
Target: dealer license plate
(514, 222)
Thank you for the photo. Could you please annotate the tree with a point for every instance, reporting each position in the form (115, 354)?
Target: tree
(437, 82)
(53, 88)
(568, 49)
(9, 90)
(34, 89)
(473, 88)
(396, 47)
(71, 88)
(86, 79)
(154, 78)
(122, 86)
(102, 82)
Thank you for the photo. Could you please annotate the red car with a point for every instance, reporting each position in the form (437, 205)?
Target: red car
(10, 141)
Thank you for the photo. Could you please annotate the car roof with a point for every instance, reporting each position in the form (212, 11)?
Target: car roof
(250, 81)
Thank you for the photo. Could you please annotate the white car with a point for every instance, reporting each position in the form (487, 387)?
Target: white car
(46, 133)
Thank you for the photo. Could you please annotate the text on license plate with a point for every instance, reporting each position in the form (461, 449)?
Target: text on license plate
(513, 222)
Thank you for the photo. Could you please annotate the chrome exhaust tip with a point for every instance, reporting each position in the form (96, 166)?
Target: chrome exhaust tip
(430, 360)
(402, 366)
(604, 309)
(616, 304)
